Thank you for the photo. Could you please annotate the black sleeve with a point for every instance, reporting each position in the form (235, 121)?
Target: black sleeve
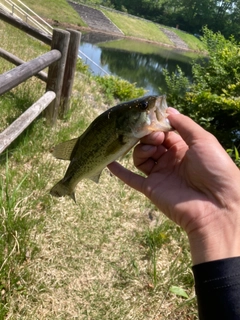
(217, 285)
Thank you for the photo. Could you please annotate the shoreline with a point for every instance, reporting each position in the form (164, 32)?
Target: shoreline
(88, 29)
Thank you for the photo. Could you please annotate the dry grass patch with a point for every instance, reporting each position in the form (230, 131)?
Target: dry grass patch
(93, 263)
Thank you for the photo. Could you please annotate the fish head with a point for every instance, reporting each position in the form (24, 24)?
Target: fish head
(145, 115)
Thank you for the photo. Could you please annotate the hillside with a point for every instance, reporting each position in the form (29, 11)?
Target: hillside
(61, 13)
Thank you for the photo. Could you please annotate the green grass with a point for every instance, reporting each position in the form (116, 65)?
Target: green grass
(58, 10)
(134, 27)
(147, 30)
(192, 42)
(110, 256)
(17, 42)
(61, 11)
(15, 243)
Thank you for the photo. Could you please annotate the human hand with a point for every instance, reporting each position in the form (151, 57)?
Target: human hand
(193, 181)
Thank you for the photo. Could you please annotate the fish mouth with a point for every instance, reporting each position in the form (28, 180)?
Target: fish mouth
(158, 115)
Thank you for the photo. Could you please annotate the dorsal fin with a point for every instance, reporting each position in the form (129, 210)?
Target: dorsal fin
(64, 150)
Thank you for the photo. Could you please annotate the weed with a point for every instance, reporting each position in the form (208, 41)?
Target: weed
(153, 240)
(178, 280)
(234, 154)
(15, 246)
(82, 67)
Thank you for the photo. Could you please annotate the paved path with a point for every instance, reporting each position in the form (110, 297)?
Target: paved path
(95, 19)
(179, 43)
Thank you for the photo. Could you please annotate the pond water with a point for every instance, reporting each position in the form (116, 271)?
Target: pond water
(136, 61)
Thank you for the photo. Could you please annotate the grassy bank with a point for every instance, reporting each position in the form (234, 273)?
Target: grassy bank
(148, 30)
(110, 256)
(57, 11)
(133, 27)
(60, 12)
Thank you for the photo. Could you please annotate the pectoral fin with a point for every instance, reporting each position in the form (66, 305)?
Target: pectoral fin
(64, 150)
(96, 177)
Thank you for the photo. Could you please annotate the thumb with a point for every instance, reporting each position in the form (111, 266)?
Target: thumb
(188, 129)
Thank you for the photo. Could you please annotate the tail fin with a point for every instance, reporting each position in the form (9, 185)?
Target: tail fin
(61, 190)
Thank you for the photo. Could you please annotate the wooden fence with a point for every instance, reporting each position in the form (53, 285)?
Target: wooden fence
(61, 60)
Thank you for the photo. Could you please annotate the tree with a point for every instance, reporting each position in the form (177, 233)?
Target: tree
(213, 97)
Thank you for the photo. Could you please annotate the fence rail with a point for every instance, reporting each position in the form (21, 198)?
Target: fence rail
(22, 122)
(20, 24)
(14, 77)
(15, 60)
(42, 36)
(61, 60)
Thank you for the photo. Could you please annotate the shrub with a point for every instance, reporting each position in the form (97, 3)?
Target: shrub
(212, 98)
(117, 88)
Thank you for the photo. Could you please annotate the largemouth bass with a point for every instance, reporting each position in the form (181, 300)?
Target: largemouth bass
(110, 136)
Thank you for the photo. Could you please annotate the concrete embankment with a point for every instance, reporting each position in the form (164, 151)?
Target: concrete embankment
(97, 21)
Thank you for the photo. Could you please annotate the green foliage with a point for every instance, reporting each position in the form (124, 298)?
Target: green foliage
(157, 239)
(189, 15)
(117, 88)
(153, 240)
(111, 86)
(176, 84)
(178, 291)
(178, 281)
(213, 97)
(234, 154)
(81, 66)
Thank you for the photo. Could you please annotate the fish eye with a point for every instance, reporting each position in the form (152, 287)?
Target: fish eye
(143, 105)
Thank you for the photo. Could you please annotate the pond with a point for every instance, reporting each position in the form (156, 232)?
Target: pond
(136, 61)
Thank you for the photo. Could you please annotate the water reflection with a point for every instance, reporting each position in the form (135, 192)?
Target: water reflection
(144, 69)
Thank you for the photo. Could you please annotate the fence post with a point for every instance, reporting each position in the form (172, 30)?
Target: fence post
(60, 41)
(73, 48)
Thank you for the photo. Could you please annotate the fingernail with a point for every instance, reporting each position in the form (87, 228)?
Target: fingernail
(171, 110)
(147, 147)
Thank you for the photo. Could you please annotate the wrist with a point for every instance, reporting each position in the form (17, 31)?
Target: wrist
(217, 240)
